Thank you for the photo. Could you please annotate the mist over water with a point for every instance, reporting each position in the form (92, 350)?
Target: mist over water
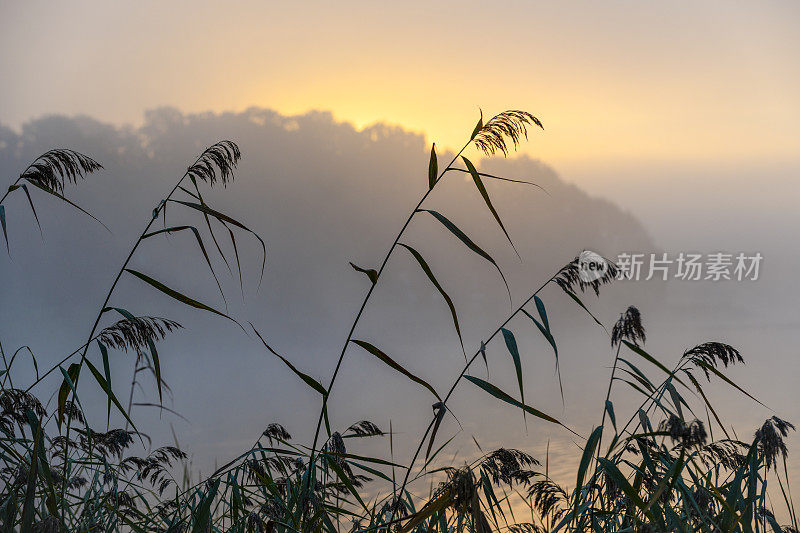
(322, 193)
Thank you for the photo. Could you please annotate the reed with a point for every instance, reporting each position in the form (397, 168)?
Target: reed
(660, 471)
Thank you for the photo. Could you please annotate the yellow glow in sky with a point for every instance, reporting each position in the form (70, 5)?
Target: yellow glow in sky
(611, 81)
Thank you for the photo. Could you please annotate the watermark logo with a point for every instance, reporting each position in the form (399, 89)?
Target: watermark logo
(591, 266)
(686, 266)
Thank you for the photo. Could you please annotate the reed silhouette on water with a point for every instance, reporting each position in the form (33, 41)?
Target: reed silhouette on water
(658, 471)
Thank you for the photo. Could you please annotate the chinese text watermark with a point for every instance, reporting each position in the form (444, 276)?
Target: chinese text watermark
(718, 266)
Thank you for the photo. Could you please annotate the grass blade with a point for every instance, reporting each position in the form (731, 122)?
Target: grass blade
(30, 202)
(107, 370)
(109, 393)
(176, 295)
(653, 360)
(199, 243)
(469, 243)
(544, 329)
(622, 483)
(586, 458)
(3, 223)
(70, 380)
(433, 169)
(478, 126)
(222, 218)
(311, 382)
(76, 206)
(511, 344)
(371, 273)
(392, 363)
(484, 193)
(440, 410)
(429, 273)
(500, 395)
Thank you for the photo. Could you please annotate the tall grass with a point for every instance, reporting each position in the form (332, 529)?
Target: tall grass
(658, 471)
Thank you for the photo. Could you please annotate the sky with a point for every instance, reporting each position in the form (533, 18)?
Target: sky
(668, 127)
(612, 81)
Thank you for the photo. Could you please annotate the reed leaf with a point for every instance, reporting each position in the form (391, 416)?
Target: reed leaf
(500, 395)
(439, 410)
(200, 244)
(61, 197)
(428, 272)
(68, 384)
(433, 168)
(223, 218)
(511, 345)
(175, 294)
(469, 243)
(371, 273)
(586, 458)
(311, 382)
(3, 223)
(485, 195)
(109, 393)
(393, 364)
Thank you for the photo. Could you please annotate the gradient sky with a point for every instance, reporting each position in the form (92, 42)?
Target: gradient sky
(611, 80)
(683, 113)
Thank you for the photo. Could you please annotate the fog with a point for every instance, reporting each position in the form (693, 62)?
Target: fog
(322, 193)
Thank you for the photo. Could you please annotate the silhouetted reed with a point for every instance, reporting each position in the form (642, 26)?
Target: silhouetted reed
(661, 470)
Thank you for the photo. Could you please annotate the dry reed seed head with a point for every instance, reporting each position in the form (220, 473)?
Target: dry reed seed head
(122, 499)
(510, 125)
(59, 443)
(686, 435)
(712, 354)
(53, 169)
(276, 431)
(651, 483)
(461, 486)
(14, 407)
(364, 428)
(254, 471)
(629, 327)
(135, 333)
(336, 444)
(217, 162)
(569, 279)
(166, 454)
(111, 443)
(395, 507)
(73, 412)
(548, 497)
(154, 467)
(336, 449)
(770, 440)
(730, 454)
(703, 499)
(77, 482)
(509, 465)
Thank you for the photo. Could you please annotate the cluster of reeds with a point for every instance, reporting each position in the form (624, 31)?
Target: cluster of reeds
(661, 470)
